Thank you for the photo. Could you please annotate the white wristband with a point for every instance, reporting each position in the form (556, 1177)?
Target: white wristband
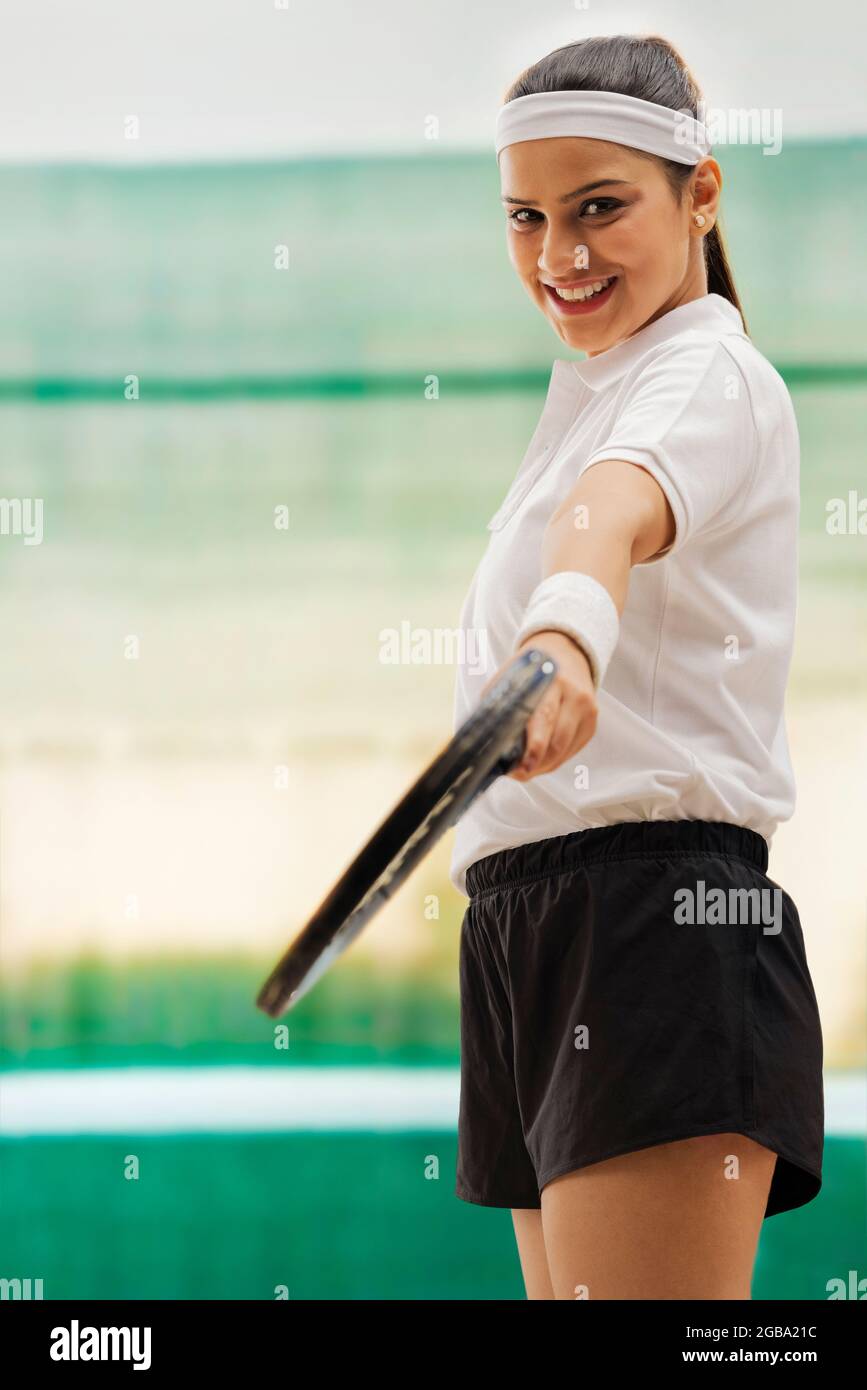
(580, 606)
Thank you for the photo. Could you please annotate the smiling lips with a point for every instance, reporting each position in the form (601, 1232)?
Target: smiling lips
(582, 298)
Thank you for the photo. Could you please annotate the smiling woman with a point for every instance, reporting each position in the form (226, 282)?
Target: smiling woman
(620, 1066)
(630, 241)
(633, 232)
(653, 78)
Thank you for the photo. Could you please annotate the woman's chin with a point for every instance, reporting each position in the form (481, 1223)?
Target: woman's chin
(586, 339)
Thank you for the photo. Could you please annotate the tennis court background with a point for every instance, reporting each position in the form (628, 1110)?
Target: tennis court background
(166, 821)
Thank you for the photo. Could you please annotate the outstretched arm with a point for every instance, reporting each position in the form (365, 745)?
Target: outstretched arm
(615, 517)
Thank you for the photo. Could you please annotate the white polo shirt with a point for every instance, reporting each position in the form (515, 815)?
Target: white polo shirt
(691, 723)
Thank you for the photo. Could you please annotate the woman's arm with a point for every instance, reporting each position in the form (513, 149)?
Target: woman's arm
(615, 516)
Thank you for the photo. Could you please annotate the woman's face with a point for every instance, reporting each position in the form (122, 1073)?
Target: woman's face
(567, 193)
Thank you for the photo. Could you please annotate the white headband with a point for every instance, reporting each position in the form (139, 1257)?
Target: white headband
(604, 116)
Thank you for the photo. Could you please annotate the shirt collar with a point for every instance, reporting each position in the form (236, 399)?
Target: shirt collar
(709, 314)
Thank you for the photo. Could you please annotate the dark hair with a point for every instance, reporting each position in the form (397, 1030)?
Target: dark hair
(646, 67)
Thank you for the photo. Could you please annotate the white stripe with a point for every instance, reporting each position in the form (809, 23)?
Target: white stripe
(846, 1104)
(186, 1100)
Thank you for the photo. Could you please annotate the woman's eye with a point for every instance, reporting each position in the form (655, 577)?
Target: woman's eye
(599, 207)
(516, 216)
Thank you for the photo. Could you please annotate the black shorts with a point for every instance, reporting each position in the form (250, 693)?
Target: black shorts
(612, 998)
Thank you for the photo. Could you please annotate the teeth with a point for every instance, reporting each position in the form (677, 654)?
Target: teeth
(585, 291)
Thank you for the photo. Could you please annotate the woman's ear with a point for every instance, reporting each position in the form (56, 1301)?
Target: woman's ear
(706, 186)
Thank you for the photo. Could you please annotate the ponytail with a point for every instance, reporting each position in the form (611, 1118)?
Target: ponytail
(719, 273)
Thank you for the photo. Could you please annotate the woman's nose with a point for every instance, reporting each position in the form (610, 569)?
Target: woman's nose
(562, 253)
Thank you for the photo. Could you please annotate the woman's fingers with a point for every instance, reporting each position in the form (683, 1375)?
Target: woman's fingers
(563, 739)
(558, 728)
(540, 727)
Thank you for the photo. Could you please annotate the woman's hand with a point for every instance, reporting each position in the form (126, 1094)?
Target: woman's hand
(565, 718)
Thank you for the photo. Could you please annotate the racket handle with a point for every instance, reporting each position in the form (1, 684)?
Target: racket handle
(511, 758)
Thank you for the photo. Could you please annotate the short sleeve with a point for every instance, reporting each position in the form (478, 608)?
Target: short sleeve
(686, 417)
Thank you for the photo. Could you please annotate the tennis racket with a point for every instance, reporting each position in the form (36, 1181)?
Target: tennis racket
(488, 744)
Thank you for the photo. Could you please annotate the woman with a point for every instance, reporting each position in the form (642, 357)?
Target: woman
(641, 1070)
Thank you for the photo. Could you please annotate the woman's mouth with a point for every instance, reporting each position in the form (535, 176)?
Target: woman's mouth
(584, 298)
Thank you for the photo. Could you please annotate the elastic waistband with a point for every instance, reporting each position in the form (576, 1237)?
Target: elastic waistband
(626, 840)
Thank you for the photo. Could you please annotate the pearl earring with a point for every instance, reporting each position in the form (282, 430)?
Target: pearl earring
(699, 219)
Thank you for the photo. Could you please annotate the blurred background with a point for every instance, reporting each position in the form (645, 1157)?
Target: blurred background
(237, 242)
